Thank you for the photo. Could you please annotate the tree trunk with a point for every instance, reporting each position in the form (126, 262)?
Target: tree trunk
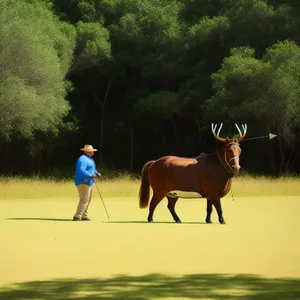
(131, 145)
(102, 105)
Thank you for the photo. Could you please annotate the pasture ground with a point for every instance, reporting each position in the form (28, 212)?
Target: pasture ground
(256, 255)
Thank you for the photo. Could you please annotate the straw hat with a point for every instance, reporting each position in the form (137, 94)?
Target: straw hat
(88, 148)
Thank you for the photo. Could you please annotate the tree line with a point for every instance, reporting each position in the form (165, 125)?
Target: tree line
(139, 79)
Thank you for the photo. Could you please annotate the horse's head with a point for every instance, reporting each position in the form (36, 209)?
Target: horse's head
(229, 152)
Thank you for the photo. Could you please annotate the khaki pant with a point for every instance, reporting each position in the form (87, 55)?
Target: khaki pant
(85, 196)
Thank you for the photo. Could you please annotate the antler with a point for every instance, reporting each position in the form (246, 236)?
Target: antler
(244, 130)
(216, 135)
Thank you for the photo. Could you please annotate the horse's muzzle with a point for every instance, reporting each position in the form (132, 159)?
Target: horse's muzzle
(235, 169)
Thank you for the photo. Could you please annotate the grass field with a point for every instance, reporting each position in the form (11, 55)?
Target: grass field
(38, 188)
(44, 255)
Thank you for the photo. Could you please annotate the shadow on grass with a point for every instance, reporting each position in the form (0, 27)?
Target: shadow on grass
(39, 219)
(158, 286)
(112, 222)
(116, 222)
(155, 222)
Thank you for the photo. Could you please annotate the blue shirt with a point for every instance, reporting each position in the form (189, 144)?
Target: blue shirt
(85, 168)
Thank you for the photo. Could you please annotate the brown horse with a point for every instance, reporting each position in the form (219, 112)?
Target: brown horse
(206, 176)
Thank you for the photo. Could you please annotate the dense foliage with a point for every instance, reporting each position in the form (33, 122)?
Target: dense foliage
(140, 79)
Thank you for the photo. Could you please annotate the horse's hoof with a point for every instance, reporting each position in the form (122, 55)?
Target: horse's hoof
(150, 221)
(178, 221)
(208, 221)
(222, 222)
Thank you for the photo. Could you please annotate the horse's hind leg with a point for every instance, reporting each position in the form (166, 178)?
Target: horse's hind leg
(154, 201)
(209, 209)
(171, 207)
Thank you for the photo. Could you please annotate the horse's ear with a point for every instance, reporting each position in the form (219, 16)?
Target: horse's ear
(221, 144)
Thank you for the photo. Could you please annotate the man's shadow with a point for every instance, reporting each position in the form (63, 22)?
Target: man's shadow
(39, 219)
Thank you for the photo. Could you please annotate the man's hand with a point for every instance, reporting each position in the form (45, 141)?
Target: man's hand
(95, 175)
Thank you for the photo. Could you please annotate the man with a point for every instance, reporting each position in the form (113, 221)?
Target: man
(85, 172)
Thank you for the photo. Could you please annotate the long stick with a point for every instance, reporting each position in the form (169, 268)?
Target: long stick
(101, 198)
(270, 136)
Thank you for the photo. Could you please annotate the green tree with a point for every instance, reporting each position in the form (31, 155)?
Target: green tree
(35, 54)
(144, 37)
(93, 46)
(264, 91)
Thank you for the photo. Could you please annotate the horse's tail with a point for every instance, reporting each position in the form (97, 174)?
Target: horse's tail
(145, 187)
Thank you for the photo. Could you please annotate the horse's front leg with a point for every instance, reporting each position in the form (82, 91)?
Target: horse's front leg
(209, 209)
(216, 201)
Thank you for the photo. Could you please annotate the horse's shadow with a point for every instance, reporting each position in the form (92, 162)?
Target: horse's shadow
(40, 219)
(156, 222)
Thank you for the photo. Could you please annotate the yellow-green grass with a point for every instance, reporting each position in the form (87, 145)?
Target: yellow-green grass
(44, 255)
(27, 188)
(243, 186)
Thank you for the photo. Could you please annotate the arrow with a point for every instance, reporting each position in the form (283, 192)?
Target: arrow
(270, 136)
